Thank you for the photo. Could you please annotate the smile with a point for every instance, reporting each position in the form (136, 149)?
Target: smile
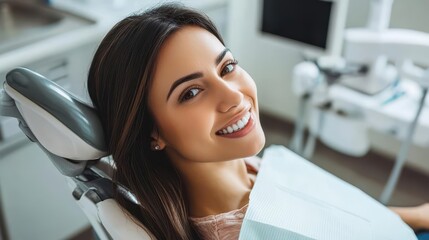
(237, 127)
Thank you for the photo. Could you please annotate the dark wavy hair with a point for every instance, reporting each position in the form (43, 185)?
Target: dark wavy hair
(119, 79)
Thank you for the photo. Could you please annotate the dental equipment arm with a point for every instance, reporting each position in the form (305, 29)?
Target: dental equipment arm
(379, 16)
(408, 49)
(405, 48)
(405, 147)
(377, 44)
(363, 45)
(304, 81)
(310, 83)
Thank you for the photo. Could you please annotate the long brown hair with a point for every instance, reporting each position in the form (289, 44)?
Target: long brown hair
(119, 79)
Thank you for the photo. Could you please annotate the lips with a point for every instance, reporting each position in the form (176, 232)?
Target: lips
(236, 126)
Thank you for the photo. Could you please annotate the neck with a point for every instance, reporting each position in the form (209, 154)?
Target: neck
(216, 187)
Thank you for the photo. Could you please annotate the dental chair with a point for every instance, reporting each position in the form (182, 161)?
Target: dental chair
(70, 133)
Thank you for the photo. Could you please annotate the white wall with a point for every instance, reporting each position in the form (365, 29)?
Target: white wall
(270, 62)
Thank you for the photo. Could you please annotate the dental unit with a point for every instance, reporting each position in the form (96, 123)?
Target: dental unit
(381, 59)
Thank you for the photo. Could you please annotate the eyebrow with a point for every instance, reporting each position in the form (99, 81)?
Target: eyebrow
(195, 75)
(221, 56)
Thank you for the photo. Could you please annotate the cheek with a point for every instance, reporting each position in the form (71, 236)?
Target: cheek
(191, 135)
(187, 127)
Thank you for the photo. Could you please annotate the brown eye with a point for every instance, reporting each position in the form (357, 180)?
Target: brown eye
(189, 94)
(229, 67)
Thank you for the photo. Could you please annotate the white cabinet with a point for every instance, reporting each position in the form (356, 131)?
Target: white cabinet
(37, 203)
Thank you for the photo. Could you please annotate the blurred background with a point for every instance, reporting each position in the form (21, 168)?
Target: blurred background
(313, 67)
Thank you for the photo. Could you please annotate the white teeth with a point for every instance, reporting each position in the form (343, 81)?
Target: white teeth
(236, 126)
(240, 124)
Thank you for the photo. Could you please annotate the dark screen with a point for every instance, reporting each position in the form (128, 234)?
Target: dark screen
(305, 21)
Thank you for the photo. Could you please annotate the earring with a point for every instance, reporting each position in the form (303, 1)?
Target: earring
(157, 147)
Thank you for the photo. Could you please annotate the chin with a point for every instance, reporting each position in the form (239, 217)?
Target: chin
(257, 143)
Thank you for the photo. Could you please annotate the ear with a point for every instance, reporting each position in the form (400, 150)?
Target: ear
(157, 142)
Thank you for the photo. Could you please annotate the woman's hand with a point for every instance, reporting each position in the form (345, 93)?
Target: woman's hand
(416, 217)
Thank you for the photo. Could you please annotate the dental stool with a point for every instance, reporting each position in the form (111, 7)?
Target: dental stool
(70, 133)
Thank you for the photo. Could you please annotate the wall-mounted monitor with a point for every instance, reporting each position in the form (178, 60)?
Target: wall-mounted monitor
(315, 25)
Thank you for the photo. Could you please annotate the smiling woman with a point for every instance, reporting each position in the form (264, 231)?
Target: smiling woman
(181, 120)
(180, 116)
(212, 94)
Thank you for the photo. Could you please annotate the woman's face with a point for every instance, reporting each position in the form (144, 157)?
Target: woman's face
(205, 106)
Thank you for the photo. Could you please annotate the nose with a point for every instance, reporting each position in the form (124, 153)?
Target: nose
(229, 95)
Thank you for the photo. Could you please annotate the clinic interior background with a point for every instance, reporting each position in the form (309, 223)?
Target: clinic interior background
(271, 61)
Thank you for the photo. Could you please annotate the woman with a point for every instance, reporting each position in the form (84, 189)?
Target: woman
(180, 117)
